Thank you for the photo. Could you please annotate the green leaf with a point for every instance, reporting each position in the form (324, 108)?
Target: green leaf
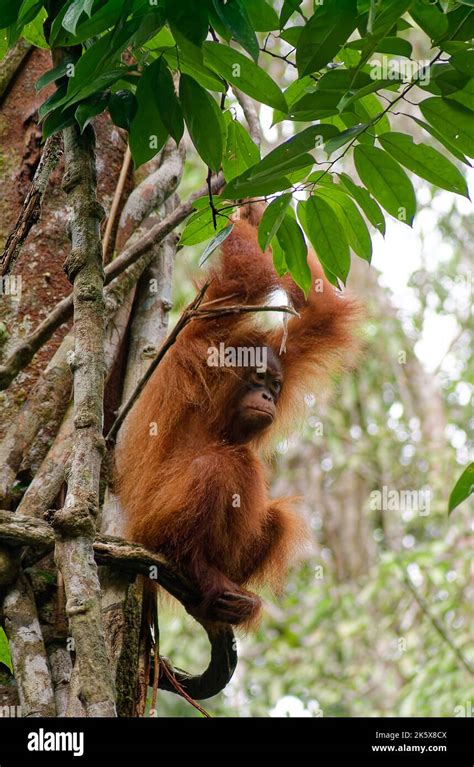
(240, 152)
(442, 140)
(257, 187)
(297, 175)
(292, 242)
(271, 174)
(386, 180)
(151, 23)
(429, 17)
(350, 84)
(243, 186)
(189, 18)
(33, 32)
(425, 161)
(94, 71)
(465, 96)
(263, 18)
(271, 219)
(321, 177)
(147, 130)
(215, 243)
(123, 107)
(5, 655)
(9, 10)
(266, 178)
(243, 73)
(463, 488)
(375, 85)
(324, 34)
(234, 16)
(74, 12)
(288, 8)
(298, 88)
(460, 24)
(362, 197)
(167, 101)
(190, 61)
(200, 226)
(100, 83)
(344, 137)
(370, 107)
(348, 214)
(395, 45)
(53, 74)
(52, 102)
(343, 80)
(280, 159)
(315, 106)
(101, 20)
(28, 12)
(204, 120)
(350, 120)
(444, 80)
(464, 62)
(454, 46)
(86, 111)
(291, 35)
(162, 40)
(453, 122)
(278, 256)
(327, 236)
(387, 14)
(58, 120)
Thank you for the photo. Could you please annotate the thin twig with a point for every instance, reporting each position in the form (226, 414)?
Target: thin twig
(211, 199)
(438, 625)
(225, 311)
(169, 674)
(116, 201)
(156, 664)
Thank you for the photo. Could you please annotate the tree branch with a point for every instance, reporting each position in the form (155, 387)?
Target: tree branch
(251, 115)
(152, 192)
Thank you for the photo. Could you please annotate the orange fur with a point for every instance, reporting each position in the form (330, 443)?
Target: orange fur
(179, 485)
